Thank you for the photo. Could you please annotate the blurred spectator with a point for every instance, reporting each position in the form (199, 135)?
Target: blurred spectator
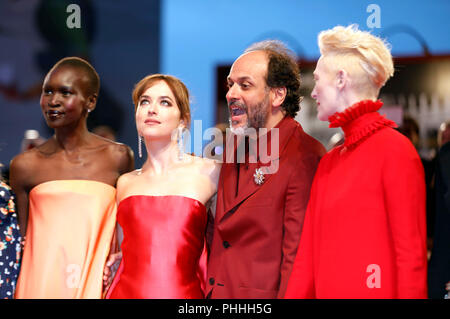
(410, 129)
(444, 134)
(9, 242)
(439, 266)
(60, 43)
(30, 140)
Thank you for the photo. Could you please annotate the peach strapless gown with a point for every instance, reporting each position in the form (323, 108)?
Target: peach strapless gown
(70, 228)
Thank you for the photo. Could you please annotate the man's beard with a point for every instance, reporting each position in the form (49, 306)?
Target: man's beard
(256, 120)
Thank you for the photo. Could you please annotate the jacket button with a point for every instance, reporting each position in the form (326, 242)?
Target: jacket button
(211, 281)
(226, 244)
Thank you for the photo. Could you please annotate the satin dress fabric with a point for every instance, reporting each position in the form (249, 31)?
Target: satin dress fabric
(163, 251)
(70, 228)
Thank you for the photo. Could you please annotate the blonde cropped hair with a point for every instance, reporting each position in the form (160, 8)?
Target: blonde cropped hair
(366, 57)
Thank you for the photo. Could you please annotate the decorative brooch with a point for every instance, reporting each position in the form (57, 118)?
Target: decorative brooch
(259, 176)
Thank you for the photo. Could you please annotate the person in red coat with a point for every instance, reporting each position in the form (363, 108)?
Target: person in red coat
(364, 234)
(261, 202)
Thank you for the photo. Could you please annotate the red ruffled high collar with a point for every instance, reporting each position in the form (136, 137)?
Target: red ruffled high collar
(359, 121)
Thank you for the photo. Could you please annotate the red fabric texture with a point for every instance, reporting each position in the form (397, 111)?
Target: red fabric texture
(364, 234)
(163, 248)
(257, 227)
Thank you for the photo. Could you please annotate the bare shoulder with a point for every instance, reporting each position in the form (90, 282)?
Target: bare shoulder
(114, 147)
(23, 168)
(124, 183)
(208, 167)
(25, 162)
(128, 178)
(124, 155)
(211, 165)
(204, 164)
(119, 152)
(121, 149)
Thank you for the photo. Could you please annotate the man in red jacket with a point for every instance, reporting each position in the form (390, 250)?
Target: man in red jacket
(364, 234)
(261, 203)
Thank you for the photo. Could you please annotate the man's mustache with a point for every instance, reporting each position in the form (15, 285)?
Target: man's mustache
(237, 104)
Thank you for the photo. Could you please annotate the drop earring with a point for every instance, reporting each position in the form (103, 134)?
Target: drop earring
(180, 143)
(140, 146)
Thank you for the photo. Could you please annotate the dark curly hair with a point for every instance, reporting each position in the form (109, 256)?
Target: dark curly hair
(282, 71)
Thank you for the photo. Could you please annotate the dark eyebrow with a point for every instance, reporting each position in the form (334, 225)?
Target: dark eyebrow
(241, 79)
(245, 78)
(161, 97)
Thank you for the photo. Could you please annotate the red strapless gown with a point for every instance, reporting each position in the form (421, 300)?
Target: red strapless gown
(163, 253)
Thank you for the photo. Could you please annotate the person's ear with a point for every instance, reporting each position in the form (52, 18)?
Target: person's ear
(278, 96)
(92, 102)
(181, 124)
(341, 79)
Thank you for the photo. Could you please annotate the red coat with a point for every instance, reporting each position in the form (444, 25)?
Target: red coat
(257, 227)
(364, 234)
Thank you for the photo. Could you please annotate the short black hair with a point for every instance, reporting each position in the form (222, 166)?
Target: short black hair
(76, 62)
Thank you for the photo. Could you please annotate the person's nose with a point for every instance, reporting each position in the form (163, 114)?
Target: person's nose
(314, 93)
(232, 94)
(54, 100)
(152, 109)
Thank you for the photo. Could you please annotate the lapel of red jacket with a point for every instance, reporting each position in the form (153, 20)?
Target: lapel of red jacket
(228, 176)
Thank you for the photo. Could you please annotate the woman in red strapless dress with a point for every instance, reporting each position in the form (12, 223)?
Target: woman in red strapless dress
(162, 208)
(163, 242)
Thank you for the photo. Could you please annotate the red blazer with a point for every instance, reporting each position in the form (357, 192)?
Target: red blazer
(257, 227)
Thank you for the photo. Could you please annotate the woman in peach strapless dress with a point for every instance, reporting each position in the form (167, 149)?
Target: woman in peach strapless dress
(163, 206)
(70, 228)
(65, 191)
